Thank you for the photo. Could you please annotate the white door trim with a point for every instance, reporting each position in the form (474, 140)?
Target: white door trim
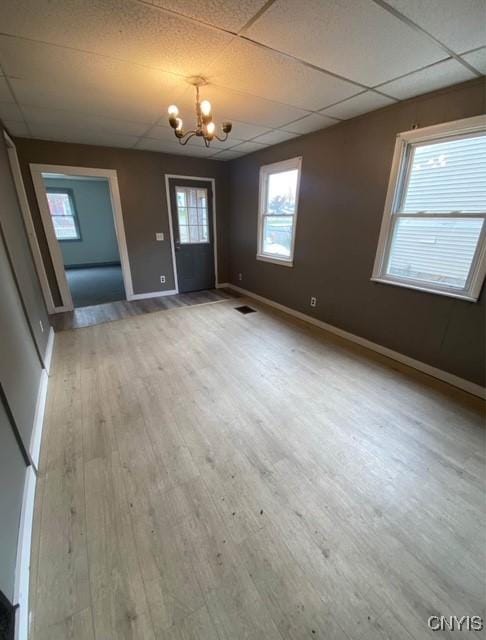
(40, 191)
(29, 225)
(169, 176)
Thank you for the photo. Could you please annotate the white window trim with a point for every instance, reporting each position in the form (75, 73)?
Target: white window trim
(477, 272)
(265, 171)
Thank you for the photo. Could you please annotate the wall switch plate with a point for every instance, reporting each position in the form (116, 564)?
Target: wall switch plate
(313, 301)
(159, 236)
(162, 279)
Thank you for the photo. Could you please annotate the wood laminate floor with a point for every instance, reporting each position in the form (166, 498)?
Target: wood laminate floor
(120, 309)
(213, 476)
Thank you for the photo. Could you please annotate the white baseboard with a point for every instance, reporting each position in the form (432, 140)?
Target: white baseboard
(49, 350)
(153, 294)
(445, 376)
(22, 570)
(36, 437)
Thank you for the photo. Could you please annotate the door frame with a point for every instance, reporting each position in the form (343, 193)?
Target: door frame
(36, 171)
(212, 181)
(29, 225)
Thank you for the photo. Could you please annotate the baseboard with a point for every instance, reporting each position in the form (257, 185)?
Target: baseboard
(36, 437)
(49, 350)
(223, 285)
(445, 376)
(22, 570)
(153, 294)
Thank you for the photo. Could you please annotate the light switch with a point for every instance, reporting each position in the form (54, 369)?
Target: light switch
(159, 236)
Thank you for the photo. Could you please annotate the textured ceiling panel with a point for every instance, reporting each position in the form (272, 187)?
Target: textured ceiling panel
(122, 29)
(10, 111)
(16, 128)
(5, 95)
(274, 137)
(434, 77)
(248, 147)
(356, 39)
(477, 59)
(459, 24)
(245, 131)
(247, 67)
(227, 14)
(367, 101)
(150, 144)
(227, 155)
(314, 122)
(48, 76)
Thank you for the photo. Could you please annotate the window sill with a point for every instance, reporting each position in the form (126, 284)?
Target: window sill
(282, 261)
(416, 287)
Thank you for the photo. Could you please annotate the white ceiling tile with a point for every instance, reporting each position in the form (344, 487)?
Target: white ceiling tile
(17, 128)
(227, 14)
(10, 111)
(95, 138)
(227, 155)
(356, 39)
(166, 133)
(459, 24)
(477, 59)
(46, 76)
(274, 137)
(121, 29)
(5, 94)
(247, 67)
(437, 76)
(314, 122)
(246, 131)
(164, 146)
(70, 122)
(367, 101)
(233, 105)
(248, 147)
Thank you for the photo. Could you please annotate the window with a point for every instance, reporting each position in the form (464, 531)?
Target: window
(433, 234)
(279, 194)
(63, 214)
(192, 215)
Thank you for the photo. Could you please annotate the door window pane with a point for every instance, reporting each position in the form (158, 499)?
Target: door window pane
(192, 215)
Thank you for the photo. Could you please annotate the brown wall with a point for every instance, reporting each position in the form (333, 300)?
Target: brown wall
(143, 199)
(344, 180)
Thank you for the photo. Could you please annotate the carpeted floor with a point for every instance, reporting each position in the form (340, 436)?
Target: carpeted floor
(95, 285)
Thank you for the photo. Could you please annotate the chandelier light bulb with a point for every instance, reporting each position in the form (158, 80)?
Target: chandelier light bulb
(205, 107)
(173, 111)
(178, 124)
(210, 127)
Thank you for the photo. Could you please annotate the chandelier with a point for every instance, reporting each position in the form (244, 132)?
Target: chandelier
(205, 127)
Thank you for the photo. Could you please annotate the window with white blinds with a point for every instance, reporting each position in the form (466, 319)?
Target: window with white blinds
(433, 230)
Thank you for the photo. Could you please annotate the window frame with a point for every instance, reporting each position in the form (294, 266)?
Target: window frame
(70, 194)
(397, 184)
(265, 172)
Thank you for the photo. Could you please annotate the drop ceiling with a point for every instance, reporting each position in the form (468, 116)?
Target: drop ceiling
(104, 71)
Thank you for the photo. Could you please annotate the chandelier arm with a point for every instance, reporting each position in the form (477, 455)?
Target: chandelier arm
(186, 137)
(221, 139)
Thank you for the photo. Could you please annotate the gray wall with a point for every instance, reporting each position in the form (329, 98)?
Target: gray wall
(18, 248)
(143, 199)
(98, 242)
(344, 180)
(12, 476)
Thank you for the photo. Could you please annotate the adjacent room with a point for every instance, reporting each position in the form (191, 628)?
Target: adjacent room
(243, 323)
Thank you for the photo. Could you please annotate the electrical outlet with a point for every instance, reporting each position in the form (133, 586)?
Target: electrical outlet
(41, 326)
(159, 236)
(313, 301)
(240, 277)
(162, 279)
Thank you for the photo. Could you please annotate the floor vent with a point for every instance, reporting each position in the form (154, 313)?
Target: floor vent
(245, 309)
(7, 619)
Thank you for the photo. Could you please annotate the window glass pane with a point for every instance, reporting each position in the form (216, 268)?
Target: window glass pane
(281, 192)
(182, 212)
(193, 234)
(203, 234)
(59, 204)
(183, 234)
(181, 197)
(192, 215)
(65, 227)
(191, 197)
(434, 250)
(277, 235)
(202, 198)
(448, 176)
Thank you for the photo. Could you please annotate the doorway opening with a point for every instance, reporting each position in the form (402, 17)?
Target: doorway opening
(193, 229)
(82, 219)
